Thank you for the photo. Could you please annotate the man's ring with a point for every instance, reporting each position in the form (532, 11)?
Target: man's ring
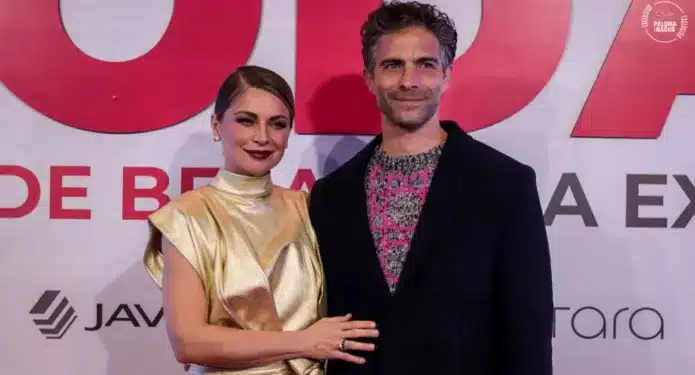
(341, 347)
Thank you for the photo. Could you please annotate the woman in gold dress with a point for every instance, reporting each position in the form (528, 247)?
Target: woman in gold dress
(237, 259)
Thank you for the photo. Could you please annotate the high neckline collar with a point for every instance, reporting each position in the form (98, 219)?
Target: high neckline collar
(243, 186)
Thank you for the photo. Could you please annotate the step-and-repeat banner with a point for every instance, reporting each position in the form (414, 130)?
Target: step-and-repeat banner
(104, 115)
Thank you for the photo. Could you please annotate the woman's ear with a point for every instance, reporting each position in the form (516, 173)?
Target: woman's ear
(214, 123)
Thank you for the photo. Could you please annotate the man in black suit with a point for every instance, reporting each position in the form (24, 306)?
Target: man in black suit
(437, 237)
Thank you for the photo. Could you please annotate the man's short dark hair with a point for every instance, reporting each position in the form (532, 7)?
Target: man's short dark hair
(395, 16)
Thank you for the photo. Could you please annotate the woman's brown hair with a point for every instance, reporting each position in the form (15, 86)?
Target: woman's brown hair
(251, 76)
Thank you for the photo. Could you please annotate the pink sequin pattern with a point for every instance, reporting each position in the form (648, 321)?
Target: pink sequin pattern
(396, 188)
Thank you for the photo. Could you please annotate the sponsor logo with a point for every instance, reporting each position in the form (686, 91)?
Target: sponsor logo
(58, 314)
(596, 323)
(664, 21)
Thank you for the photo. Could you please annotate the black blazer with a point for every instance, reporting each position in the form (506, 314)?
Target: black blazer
(475, 294)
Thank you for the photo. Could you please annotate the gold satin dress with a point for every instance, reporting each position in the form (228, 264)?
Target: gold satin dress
(255, 251)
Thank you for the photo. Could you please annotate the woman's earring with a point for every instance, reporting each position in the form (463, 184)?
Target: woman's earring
(216, 138)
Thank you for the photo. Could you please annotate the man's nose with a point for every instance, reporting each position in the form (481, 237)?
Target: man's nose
(409, 78)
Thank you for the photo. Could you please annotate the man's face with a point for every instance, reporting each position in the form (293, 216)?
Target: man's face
(408, 79)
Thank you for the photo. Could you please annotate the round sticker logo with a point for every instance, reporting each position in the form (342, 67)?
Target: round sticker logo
(664, 21)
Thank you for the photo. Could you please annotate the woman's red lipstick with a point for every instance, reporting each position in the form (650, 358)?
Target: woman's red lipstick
(259, 155)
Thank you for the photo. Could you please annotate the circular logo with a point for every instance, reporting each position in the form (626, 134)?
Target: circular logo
(664, 21)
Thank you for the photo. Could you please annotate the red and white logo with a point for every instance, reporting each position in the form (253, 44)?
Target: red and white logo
(664, 21)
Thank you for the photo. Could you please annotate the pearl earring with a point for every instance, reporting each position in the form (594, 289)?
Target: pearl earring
(216, 138)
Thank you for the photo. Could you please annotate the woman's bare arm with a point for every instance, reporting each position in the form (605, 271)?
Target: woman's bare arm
(196, 342)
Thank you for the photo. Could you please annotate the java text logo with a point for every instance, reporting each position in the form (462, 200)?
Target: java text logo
(57, 312)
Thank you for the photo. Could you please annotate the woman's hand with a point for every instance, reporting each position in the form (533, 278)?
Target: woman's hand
(331, 338)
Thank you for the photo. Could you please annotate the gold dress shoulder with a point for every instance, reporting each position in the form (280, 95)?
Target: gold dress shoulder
(255, 251)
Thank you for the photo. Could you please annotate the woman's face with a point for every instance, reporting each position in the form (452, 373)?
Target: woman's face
(254, 132)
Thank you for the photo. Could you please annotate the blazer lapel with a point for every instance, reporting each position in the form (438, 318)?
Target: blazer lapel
(443, 201)
(438, 209)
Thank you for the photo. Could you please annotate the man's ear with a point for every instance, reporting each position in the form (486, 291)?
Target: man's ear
(447, 79)
(369, 80)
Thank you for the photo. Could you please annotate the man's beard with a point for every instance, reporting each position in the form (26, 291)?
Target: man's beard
(408, 120)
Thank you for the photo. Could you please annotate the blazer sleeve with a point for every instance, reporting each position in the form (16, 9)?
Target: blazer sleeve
(524, 295)
(316, 207)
